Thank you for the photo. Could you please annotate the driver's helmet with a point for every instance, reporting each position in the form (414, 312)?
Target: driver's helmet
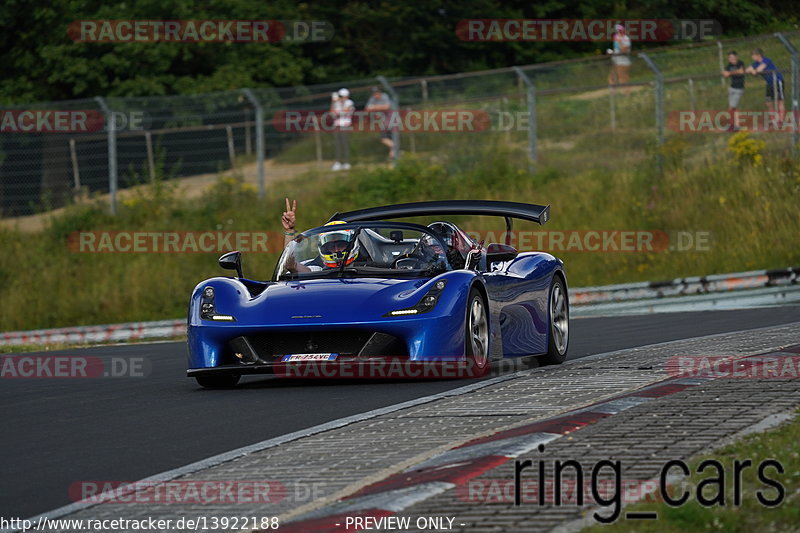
(333, 244)
(445, 232)
(451, 240)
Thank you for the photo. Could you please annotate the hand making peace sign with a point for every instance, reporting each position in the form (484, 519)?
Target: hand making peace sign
(288, 218)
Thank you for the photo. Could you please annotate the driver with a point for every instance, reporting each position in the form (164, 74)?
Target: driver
(331, 245)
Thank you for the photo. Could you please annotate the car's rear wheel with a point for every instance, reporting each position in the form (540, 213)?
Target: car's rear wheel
(477, 334)
(222, 381)
(558, 310)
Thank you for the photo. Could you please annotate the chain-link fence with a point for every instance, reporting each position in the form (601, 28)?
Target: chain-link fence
(576, 114)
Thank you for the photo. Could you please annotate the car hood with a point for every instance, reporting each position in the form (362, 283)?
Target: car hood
(338, 300)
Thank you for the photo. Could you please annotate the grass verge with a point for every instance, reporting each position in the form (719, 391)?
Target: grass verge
(743, 199)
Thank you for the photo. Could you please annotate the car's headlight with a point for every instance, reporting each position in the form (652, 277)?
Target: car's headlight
(208, 308)
(426, 303)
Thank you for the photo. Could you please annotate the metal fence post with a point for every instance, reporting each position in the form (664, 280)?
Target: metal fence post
(112, 152)
(248, 143)
(231, 146)
(504, 109)
(395, 107)
(317, 139)
(412, 143)
(612, 108)
(531, 93)
(795, 89)
(151, 162)
(659, 108)
(259, 139)
(76, 173)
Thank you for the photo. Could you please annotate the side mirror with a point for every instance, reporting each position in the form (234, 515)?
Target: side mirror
(232, 261)
(497, 253)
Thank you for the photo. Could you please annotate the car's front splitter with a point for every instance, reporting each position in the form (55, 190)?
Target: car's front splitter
(351, 368)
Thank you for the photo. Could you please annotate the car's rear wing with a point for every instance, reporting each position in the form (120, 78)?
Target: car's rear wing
(508, 210)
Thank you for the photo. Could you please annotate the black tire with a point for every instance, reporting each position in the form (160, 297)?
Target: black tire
(476, 339)
(221, 381)
(558, 334)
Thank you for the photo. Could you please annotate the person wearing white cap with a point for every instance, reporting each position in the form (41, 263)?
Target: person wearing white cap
(342, 109)
(620, 57)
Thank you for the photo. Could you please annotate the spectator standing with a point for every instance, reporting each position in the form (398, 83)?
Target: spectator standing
(342, 109)
(764, 66)
(735, 71)
(620, 57)
(380, 102)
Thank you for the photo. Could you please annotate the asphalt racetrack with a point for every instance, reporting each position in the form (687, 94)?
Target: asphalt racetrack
(61, 431)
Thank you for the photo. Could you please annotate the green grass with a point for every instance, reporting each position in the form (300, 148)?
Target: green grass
(751, 212)
(779, 444)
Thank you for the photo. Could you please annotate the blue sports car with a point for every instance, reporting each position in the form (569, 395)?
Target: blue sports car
(363, 289)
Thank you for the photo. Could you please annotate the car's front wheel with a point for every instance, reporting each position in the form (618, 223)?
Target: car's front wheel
(477, 334)
(558, 338)
(222, 381)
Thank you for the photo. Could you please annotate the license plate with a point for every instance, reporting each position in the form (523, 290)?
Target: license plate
(310, 357)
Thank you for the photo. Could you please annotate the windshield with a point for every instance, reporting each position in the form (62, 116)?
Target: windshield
(363, 249)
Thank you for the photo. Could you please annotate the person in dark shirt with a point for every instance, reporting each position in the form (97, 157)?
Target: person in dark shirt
(735, 71)
(380, 102)
(764, 67)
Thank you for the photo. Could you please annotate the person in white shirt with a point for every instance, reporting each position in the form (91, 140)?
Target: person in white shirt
(620, 57)
(342, 109)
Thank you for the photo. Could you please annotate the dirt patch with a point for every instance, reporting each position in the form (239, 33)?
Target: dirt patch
(189, 187)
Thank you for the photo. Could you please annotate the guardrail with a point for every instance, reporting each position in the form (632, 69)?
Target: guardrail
(581, 296)
(685, 286)
(130, 331)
